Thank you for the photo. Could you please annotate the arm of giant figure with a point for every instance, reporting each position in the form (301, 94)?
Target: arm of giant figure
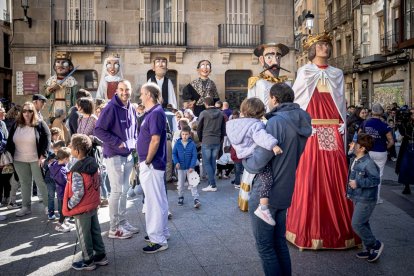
(172, 99)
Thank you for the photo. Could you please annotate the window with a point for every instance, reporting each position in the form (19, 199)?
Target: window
(236, 86)
(409, 19)
(87, 79)
(79, 14)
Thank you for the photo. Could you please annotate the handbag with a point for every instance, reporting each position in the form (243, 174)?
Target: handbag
(5, 159)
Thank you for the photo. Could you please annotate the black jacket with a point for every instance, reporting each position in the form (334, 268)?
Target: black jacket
(43, 139)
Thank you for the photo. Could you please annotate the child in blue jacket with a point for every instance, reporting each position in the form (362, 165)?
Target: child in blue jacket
(364, 178)
(185, 158)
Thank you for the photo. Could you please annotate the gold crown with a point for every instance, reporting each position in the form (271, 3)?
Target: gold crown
(113, 56)
(322, 37)
(62, 55)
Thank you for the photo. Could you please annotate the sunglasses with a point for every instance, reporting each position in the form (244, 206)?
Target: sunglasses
(27, 111)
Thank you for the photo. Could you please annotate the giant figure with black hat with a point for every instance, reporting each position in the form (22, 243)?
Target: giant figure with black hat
(320, 215)
(61, 88)
(269, 55)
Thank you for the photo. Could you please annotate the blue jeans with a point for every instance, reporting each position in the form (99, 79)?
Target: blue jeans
(238, 171)
(270, 240)
(360, 222)
(51, 191)
(209, 153)
(105, 186)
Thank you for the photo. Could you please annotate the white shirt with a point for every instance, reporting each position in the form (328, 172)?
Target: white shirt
(25, 141)
(171, 93)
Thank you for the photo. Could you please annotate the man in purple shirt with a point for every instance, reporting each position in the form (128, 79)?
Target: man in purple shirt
(151, 148)
(117, 128)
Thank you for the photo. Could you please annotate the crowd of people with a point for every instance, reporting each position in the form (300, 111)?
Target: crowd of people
(305, 147)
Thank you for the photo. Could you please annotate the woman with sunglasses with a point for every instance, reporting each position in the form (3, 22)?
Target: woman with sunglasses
(197, 90)
(28, 143)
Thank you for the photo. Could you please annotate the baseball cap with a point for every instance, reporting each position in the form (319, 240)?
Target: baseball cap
(39, 97)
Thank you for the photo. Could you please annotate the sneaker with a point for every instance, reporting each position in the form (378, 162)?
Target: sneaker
(24, 211)
(51, 216)
(180, 201)
(102, 260)
(71, 220)
(237, 187)
(380, 201)
(209, 188)
(375, 251)
(46, 211)
(119, 234)
(62, 228)
(169, 215)
(147, 239)
(154, 248)
(225, 177)
(57, 216)
(2, 217)
(363, 255)
(129, 228)
(197, 203)
(69, 225)
(14, 206)
(265, 215)
(81, 265)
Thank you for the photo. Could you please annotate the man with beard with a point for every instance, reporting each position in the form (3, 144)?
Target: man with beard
(110, 77)
(61, 91)
(164, 83)
(269, 57)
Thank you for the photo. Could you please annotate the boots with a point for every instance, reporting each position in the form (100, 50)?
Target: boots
(407, 190)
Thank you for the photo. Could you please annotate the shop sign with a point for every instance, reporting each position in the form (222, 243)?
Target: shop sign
(385, 76)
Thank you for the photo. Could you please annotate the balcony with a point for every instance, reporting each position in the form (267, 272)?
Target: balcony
(240, 35)
(80, 32)
(358, 3)
(328, 24)
(341, 16)
(389, 42)
(343, 62)
(162, 33)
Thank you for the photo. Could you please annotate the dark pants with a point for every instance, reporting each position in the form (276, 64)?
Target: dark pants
(51, 191)
(5, 186)
(228, 168)
(238, 171)
(62, 217)
(89, 235)
(271, 240)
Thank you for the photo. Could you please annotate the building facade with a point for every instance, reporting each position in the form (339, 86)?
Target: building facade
(224, 32)
(5, 58)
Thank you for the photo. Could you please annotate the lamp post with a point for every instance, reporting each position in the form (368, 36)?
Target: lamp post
(25, 6)
(309, 17)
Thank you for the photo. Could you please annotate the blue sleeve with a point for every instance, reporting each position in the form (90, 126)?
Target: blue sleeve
(175, 154)
(372, 176)
(193, 156)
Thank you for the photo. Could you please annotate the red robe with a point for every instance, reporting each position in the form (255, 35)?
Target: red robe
(320, 214)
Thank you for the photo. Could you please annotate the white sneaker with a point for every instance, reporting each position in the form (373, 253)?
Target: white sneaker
(129, 228)
(13, 206)
(62, 228)
(24, 211)
(119, 234)
(265, 215)
(209, 188)
(69, 225)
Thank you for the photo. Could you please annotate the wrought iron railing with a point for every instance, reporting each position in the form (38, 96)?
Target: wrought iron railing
(344, 62)
(239, 35)
(80, 32)
(162, 33)
(389, 42)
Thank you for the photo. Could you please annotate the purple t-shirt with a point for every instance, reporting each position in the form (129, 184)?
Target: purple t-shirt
(153, 124)
(378, 130)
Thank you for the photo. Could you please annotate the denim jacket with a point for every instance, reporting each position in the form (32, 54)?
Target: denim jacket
(367, 176)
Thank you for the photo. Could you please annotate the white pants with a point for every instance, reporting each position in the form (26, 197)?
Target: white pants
(182, 176)
(380, 158)
(156, 203)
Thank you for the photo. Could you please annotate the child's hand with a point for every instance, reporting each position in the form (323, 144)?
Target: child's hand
(277, 150)
(177, 166)
(190, 170)
(352, 184)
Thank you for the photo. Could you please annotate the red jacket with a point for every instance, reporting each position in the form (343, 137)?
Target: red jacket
(91, 185)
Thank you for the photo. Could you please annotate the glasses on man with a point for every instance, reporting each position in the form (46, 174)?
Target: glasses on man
(27, 111)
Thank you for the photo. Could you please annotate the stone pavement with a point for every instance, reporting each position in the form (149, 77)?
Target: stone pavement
(214, 240)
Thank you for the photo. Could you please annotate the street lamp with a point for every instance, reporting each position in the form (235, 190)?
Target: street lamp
(309, 17)
(25, 6)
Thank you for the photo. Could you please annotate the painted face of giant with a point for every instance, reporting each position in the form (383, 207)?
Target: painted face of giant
(160, 67)
(323, 49)
(204, 69)
(112, 66)
(271, 56)
(62, 67)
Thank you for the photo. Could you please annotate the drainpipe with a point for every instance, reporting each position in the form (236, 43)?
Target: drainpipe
(50, 37)
(385, 24)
